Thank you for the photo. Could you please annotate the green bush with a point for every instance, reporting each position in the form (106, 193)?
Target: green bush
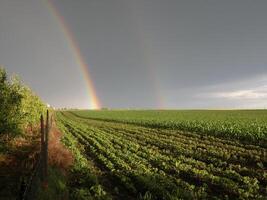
(19, 106)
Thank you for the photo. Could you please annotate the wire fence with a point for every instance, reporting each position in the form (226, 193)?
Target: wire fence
(39, 178)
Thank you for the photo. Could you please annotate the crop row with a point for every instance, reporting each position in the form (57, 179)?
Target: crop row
(136, 177)
(245, 126)
(84, 183)
(185, 166)
(189, 144)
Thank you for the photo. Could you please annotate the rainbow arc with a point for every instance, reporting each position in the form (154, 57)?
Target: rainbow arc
(94, 101)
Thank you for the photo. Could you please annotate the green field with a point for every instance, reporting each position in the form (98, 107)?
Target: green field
(167, 154)
(244, 125)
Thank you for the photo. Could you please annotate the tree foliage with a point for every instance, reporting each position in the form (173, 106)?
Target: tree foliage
(19, 106)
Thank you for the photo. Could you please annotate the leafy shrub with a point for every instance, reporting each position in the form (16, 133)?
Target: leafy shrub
(19, 106)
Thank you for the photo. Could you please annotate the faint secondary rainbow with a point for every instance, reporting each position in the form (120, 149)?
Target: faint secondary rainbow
(94, 101)
(149, 57)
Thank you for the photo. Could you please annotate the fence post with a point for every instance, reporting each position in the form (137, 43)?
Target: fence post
(42, 148)
(46, 146)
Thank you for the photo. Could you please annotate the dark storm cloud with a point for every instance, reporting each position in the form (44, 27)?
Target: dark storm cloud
(142, 50)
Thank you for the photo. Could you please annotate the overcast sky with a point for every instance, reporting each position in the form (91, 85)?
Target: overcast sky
(141, 53)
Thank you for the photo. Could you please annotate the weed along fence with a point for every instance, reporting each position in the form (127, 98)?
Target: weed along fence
(39, 179)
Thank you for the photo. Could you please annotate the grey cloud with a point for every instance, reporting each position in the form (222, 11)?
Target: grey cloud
(140, 51)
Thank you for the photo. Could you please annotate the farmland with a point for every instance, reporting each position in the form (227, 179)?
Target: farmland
(167, 154)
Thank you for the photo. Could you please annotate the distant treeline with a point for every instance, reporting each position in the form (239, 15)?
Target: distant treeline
(19, 106)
